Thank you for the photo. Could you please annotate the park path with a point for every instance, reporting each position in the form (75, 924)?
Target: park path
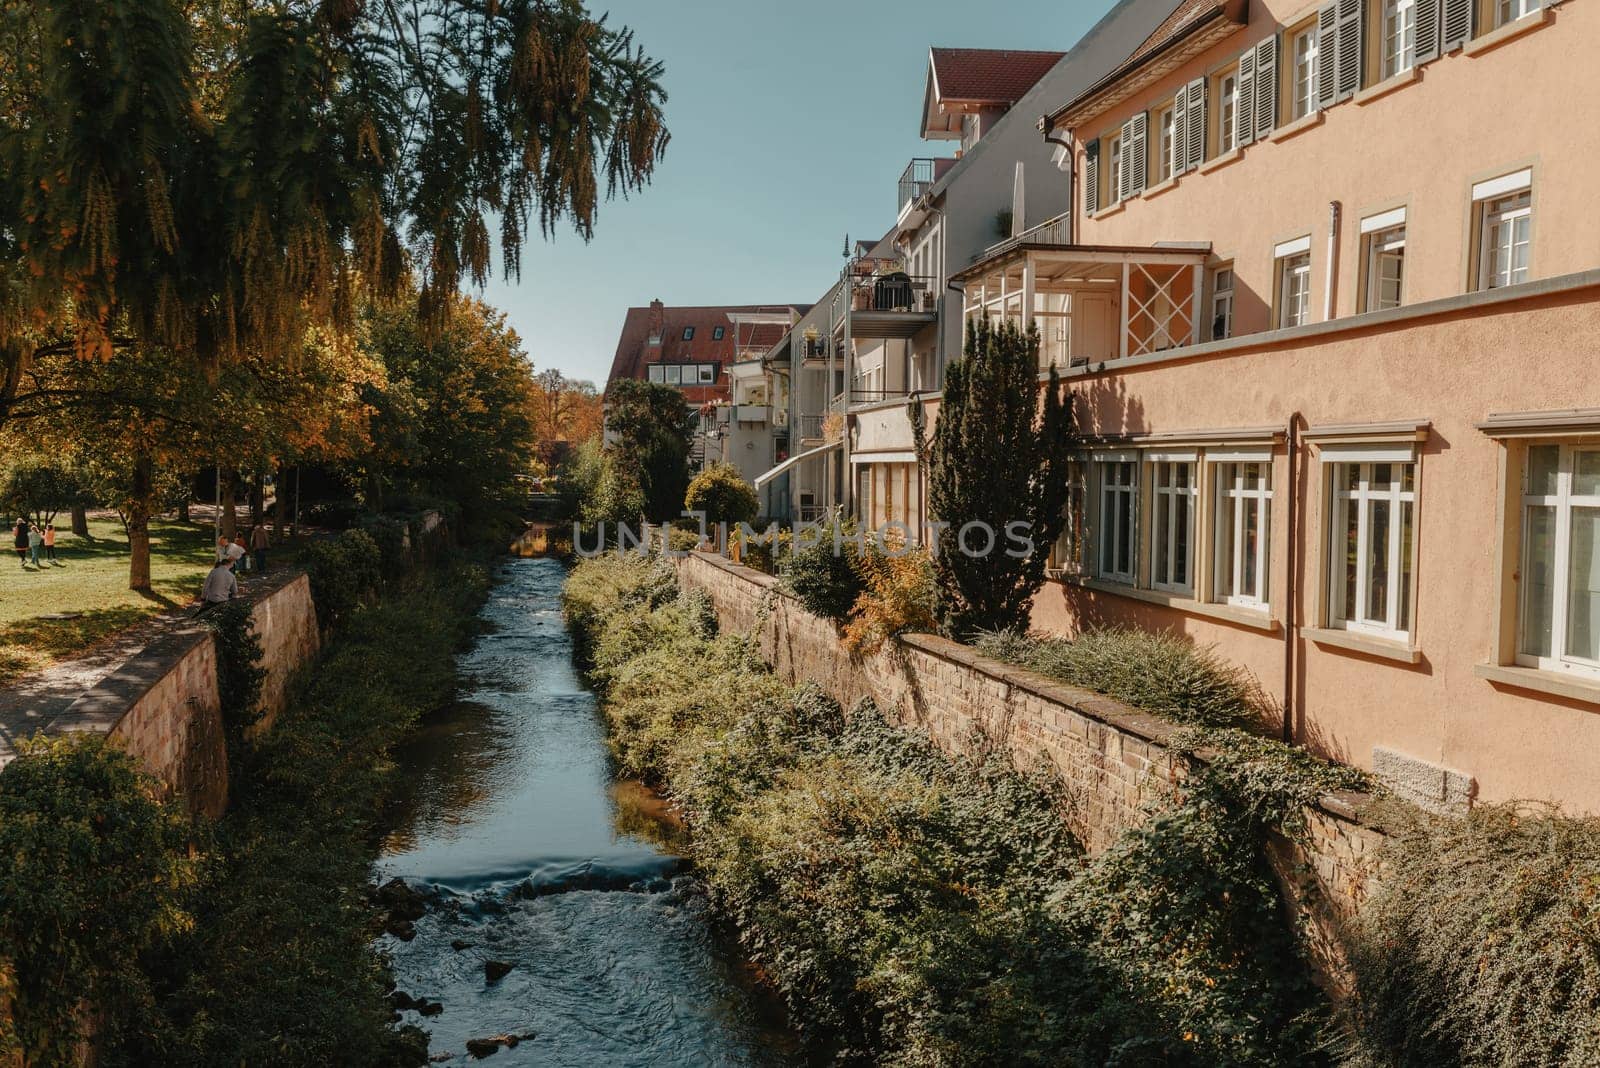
(30, 703)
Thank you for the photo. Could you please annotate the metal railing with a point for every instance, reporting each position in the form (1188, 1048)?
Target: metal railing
(1056, 231)
(893, 291)
(810, 427)
(916, 180)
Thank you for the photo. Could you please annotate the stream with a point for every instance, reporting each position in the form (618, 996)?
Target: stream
(534, 855)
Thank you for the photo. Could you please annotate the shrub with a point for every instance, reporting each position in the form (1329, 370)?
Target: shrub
(721, 492)
(392, 536)
(761, 553)
(1482, 946)
(604, 586)
(823, 573)
(1165, 674)
(239, 673)
(345, 571)
(94, 871)
(900, 597)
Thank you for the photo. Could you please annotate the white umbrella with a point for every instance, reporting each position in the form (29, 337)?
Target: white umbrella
(1017, 212)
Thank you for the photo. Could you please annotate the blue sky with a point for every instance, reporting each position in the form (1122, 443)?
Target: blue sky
(791, 122)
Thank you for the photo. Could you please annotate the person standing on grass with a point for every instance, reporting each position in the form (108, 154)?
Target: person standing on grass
(259, 543)
(50, 544)
(20, 542)
(35, 543)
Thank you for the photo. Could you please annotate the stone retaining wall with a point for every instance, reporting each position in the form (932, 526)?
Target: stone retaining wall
(1111, 757)
(163, 703)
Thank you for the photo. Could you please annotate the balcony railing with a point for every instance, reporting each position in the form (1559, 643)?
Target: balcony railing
(810, 427)
(893, 291)
(916, 180)
(1056, 231)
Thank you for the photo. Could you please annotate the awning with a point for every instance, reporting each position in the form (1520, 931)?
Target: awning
(762, 480)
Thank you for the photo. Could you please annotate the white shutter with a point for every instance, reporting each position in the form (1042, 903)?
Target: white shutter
(1244, 106)
(1195, 136)
(1180, 111)
(1266, 106)
(1091, 178)
(1136, 153)
(1427, 29)
(1328, 55)
(1352, 19)
(1455, 23)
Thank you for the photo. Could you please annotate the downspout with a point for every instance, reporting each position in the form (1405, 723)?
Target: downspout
(1291, 589)
(1333, 261)
(1071, 173)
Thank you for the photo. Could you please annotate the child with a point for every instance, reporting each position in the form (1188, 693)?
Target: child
(35, 541)
(50, 544)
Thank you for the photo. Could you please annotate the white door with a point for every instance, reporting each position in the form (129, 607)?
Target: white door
(1094, 327)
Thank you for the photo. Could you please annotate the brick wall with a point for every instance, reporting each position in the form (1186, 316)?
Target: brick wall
(1110, 756)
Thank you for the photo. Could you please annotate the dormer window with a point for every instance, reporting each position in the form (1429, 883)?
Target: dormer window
(716, 333)
(688, 333)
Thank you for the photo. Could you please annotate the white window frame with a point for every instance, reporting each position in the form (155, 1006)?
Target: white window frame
(1507, 11)
(1385, 248)
(1228, 111)
(1303, 80)
(657, 373)
(1507, 210)
(1070, 553)
(1114, 154)
(708, 373)
(1399, 36)
(1362, 497)
(1118, 518)
(1222, 300)
(1166, 142)
(1294, 288)
(1167, 500)
(1232, 495)
(1563, 501)
(673, 374)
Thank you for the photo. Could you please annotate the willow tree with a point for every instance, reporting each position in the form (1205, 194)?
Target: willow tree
(201, 180)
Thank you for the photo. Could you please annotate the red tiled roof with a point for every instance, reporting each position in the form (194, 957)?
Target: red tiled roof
(989, 75)
(635, 354)
(1182, 15)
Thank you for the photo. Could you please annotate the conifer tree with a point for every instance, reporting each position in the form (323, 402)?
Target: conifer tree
(999, 457)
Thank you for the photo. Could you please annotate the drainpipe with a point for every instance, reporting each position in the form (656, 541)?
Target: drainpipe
(1071, 173)
(1291, 590)
(1333, 260)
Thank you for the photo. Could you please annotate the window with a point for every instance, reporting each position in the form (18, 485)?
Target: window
(1222, 303)
(708, 373)
(1385, 267)
(1503, 240)
(1294, 288)
(1399, 36)
(1069, 548)
(688, 333)
(1559, 625)
(718, 333)
(1172, 533)
(1119, 492)
(1116, 169)
(673, 372)
(658, 373)
(1303, 89)
(1244, 500)
(1167, 141)
(1371, 544)
(1512, 10)
(1228, 112)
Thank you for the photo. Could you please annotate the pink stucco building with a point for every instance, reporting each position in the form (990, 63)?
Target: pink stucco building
(1329, 299)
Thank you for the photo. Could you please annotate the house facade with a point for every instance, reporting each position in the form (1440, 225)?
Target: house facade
(1328, 301)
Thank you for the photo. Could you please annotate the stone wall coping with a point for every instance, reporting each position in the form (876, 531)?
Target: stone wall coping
(1348, 805)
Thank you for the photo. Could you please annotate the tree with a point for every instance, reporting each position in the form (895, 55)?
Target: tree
(203, 180)
(651, 424)
(40, 486)
(567, 410)
(999, 457)
(721, 492)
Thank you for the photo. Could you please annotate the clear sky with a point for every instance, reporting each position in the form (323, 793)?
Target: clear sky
(791, 121)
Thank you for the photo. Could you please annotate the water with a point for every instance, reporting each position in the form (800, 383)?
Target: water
(530, 851)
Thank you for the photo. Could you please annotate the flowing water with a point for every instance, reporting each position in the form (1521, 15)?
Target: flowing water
(532, 854)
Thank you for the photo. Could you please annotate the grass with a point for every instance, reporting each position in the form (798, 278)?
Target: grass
(92, 582)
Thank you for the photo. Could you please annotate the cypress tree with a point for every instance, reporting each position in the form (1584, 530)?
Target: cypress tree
(999, 457)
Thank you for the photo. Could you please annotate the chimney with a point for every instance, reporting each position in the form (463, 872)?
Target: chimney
(658, 322)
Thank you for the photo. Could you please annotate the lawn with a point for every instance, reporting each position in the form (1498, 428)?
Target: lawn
(92, 581)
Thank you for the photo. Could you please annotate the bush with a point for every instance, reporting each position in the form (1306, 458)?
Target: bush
(94, 871)
(823, 574)
(900, 596)
(239, 674)
(1482, 946)
(345, 572)
(393, 538)
(1165, 674)
(605, 586)
(721, 492)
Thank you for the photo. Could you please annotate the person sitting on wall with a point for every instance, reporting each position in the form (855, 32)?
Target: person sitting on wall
(221, 586)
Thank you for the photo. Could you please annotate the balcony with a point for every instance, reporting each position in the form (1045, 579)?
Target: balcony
(814, 353)
(917, 180)
(750, 413)
(810, 427)
(1056, 231)
(891, 304)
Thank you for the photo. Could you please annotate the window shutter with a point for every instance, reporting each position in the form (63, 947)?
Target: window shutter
(1244, 108)
(1136, 153)
(1091, 177)
(1180, 132)
(1427, 28)
(1195, 136)
(1124, 161)
(1266, 87)
(1328, 55)
(1455, 22)
(1351, 22)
